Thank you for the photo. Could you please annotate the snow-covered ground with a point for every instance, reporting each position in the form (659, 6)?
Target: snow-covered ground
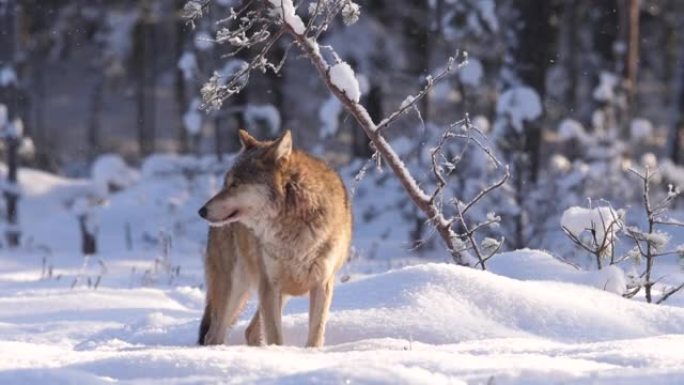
(531, 320)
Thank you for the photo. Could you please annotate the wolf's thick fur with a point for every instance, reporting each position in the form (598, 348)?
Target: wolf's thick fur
(282, 225)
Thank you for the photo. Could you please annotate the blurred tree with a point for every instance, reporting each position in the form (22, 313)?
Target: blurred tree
(10, 122)
(184, 64)
(631, 57)
(145, 69)
(519, 125)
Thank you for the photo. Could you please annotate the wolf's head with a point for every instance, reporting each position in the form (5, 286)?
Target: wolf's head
(253, 187)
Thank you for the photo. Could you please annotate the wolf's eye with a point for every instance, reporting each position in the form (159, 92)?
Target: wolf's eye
(233, 184)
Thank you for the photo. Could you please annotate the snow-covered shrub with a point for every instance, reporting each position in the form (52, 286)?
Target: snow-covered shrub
(517, 105)
(594, 230)
(110, 172)
(165, 165)
(652, 242)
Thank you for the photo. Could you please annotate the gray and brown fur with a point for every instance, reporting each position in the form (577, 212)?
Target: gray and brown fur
(281, 225)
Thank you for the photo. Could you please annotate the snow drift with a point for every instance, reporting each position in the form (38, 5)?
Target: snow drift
(427, 324)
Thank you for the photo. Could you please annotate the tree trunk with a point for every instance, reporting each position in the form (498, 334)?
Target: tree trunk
(145, 54)
(9, 97)
(88, 239)
(179, 84)
(417, 30)
(570, 27)
(527, 63)
(94, 118)
(632, 58)
(678, 130)
(530, 55)
(13, 232)
(8, 45)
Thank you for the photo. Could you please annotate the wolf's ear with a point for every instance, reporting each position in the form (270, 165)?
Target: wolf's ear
(282, 147)
(247, 140)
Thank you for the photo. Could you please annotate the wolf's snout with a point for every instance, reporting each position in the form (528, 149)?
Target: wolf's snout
(203, 212)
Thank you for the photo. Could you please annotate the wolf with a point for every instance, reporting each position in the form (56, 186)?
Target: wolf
(282, 225)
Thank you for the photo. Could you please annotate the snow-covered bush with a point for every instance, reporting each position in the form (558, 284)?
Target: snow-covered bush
(165, 165)
(110, 172)
(594, 229)
(652, 243)
(517, 105)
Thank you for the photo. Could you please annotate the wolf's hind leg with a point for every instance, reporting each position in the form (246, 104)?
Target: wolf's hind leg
(253, 333)
(320, 298)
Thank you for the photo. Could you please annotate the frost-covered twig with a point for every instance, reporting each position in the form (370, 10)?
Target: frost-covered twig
(603, 223)
(430, 80)
(654, 242)
(670, 293)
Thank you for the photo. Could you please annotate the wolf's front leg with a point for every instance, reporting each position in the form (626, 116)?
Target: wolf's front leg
(225, 298)
(270, 307)
(320, 298)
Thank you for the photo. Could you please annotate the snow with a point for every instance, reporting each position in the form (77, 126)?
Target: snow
(519, 104)
(672, 172)
(188, 65)
(263, 115)
(14, 129)
(487, 12)
(540, 266)
(27, 148)
(603, 221)
(350, 13)
(3, 115)
(407, 102)
(230, 69)
(559, 163)
(203, 41)
(649, 160)
(605, 91)
(8, 77)
(428, 324)
(329, 114)
(192, 119)
(120, 26)
(530, 319)
(471, 73)
(342, 77)
(569, 129)
(640, 129)
(112, 170)
(481, 123)
(285, 9)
